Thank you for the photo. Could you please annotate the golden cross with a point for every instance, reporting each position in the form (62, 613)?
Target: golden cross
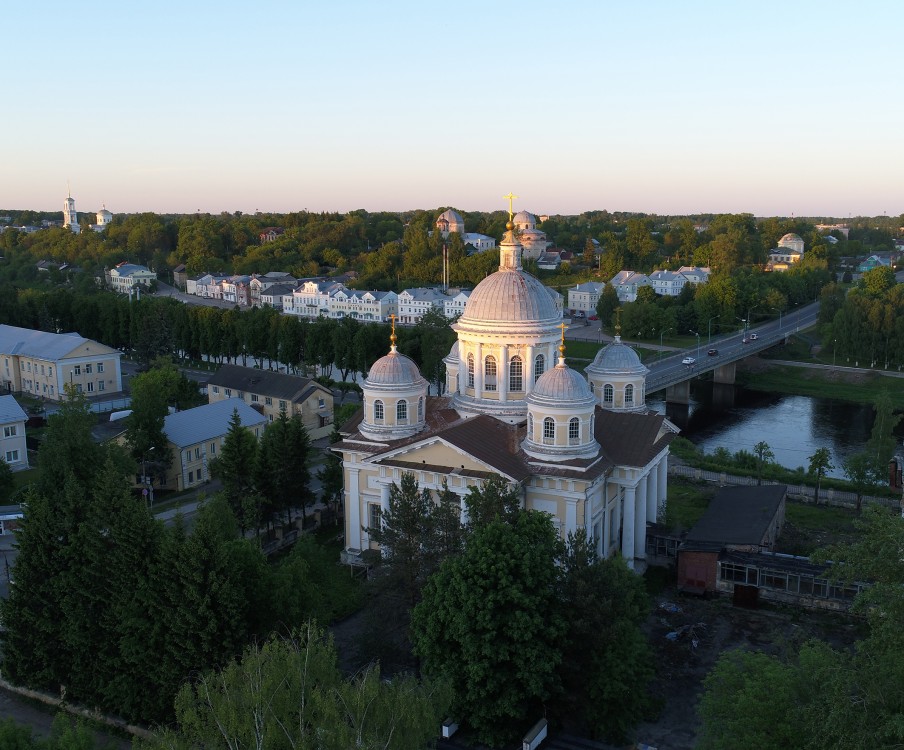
(562, 345)
(617, 321)
(392, 337)
(510, 197)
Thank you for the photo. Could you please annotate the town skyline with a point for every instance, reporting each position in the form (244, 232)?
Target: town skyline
(771, 109)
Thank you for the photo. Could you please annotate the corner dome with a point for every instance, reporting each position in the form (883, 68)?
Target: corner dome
(617, 358)
(394, 369)
(559, 385)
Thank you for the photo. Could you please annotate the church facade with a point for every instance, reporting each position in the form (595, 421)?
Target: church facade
(584, 449)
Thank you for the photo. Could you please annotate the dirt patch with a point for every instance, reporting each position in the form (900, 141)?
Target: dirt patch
(688, 636)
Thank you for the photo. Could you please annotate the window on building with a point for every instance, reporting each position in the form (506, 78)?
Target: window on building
(216, 390)
(51, 390)
(629, 395)
(77, 370)
(574, 431)
(539, 366)
(470, 371)
(90, 387)
(489, 373)
(376, 515)
(50, 371)
(100, 368)
(283, 404)
(549, 431)
(100, 385)
(197, 453)
(191, 477)
(378, 412)
(402, 412)
(88, 369)
(320, 403)
(268, 401)
(42, 369)
(12, 456)
(213, 449)
(420, 409)
(254, 398)
(78, 388)
(530, 426)
(270, 417)
(10, 431)
(608, 394)
(516, 374)
(228, 392)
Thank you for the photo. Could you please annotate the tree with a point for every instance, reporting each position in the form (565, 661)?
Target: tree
(234, 467)
(860, 470)
(281, 473)
(607, 304)
(607, 664)
(403, 536)
(882, 442)
(496, 499)
(764, 455)
(820, 463)
(289, 693)
(589, 256)
(489, 624)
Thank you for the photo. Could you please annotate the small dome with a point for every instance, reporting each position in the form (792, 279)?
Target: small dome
(393, 369)
(617, 358)
(453, 355)
(524, 219)
(790, 237)
(510, 296)
(561, 384)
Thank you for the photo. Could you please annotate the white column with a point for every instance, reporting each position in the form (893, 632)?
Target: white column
(627, 528)
(571, 515)
(607, 524)
(502, 374)
(640, 521)
(384, 498)
(529, 370)
(478, 371)
(652, 480)
(663, 486)
(353, 511)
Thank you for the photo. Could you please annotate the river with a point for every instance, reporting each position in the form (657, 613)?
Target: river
(793, 426)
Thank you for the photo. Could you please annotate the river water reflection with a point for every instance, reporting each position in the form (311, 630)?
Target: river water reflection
(794, 426)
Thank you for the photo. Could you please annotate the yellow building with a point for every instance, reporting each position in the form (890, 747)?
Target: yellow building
(588, 453)
(271, 392)
(42, 364)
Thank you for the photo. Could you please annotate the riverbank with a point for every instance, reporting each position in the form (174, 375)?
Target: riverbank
(854, 385)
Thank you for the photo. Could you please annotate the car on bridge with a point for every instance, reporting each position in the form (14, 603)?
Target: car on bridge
(753, 337)
(712, 352)
(688, 361)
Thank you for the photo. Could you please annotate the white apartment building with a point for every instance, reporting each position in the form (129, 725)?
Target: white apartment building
(414, 303)
(627, 283)
(12, 434)
(583, 297)
(126, 276)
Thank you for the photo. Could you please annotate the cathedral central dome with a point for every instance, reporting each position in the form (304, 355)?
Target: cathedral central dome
(510, 296)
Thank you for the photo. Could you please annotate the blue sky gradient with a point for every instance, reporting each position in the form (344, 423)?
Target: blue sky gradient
(772, 108)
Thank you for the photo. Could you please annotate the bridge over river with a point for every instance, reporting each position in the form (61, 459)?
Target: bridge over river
(673, 376)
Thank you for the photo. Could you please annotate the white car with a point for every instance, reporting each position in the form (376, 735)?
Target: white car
(688, 361)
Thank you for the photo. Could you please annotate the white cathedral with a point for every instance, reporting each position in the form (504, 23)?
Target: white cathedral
(585, 450)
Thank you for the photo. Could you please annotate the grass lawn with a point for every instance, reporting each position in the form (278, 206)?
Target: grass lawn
(801, 381)
(686, 503)
(821, 518)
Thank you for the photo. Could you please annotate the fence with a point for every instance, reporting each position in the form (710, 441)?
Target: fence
(837, 498)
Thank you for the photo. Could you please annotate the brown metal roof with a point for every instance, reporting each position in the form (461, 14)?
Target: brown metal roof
(265, 382)
(629, 439)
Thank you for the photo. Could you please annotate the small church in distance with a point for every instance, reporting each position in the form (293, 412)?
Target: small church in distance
(584, 449)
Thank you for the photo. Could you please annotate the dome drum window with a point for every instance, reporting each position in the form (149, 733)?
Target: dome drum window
(489, 372)
(539, 366)
(629, 395)
(378, 412)
(549, 431)
(608, 394)
(574, 431)
(402, 412)
(516, 375)
(470, 371)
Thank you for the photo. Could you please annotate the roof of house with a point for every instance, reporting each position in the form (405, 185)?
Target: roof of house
(128, 269)
(207, 422)
(739, 515)
(277, 290)
(266, 382)
(40, 344)
(10, 411)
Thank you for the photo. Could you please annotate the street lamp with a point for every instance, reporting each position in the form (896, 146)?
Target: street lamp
(709, 329)
(662, 333)
(698, 343)
(779, 317)
(833, 354)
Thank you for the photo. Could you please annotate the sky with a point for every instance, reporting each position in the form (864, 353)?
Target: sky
(772, 108)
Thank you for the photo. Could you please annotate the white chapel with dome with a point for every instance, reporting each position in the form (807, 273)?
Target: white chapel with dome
(586, 450)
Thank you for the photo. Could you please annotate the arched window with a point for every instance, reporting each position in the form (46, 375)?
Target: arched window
(629, 395)
(470, 371)
(539, 366)
(608, 394)
(574, 431)
(420, 409)
(549, 431)
(401, 411)
(378, 412)
(489, 373)
(516, 374)
(530, 426)
(592, 387)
